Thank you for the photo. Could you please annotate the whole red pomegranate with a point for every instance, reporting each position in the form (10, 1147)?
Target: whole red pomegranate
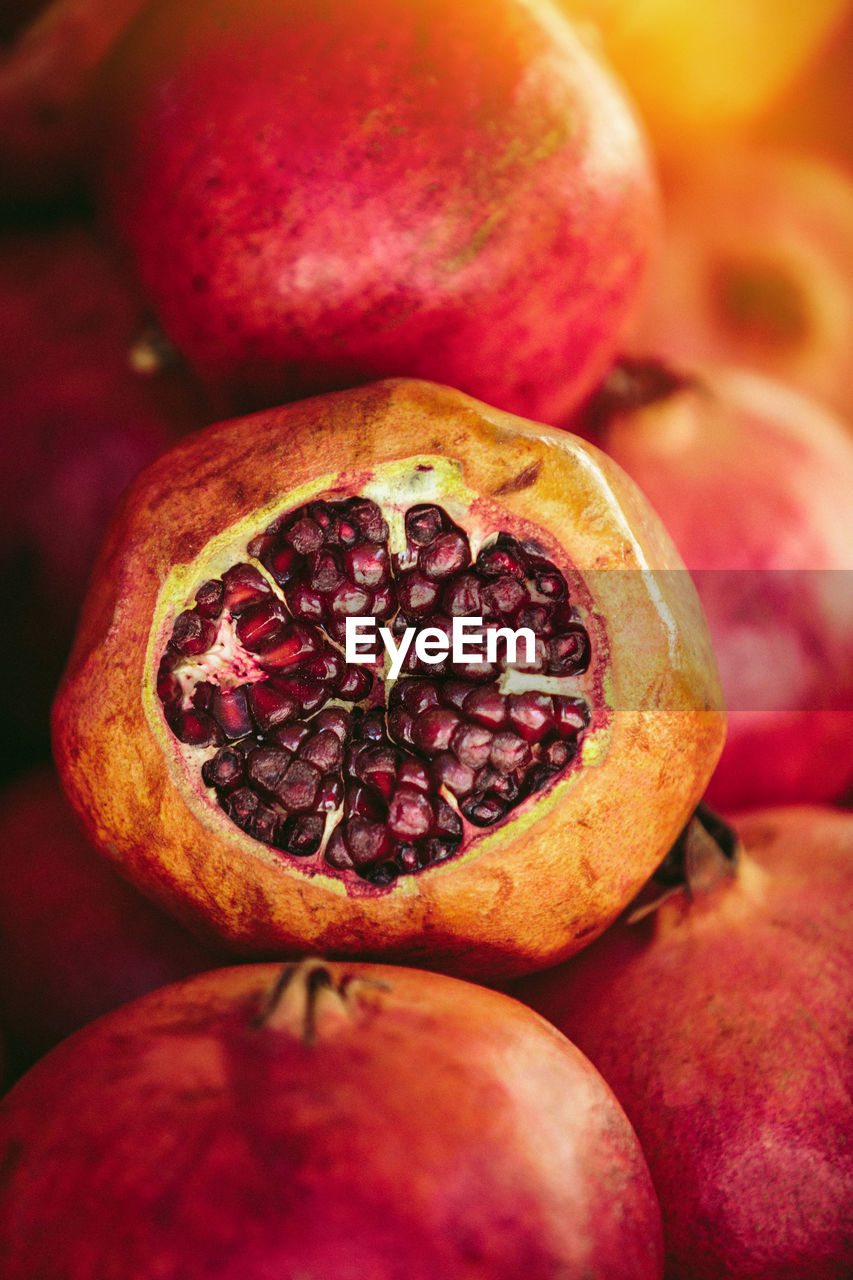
(75, 939)
(331, 1121)
(464, 805)
(723, 1024)
(317, 195)
(52, 50)
(757, 269)
(753, 482)
(86, 398)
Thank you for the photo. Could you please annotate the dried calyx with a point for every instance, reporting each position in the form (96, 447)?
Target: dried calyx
(706, 851)
(337, 764)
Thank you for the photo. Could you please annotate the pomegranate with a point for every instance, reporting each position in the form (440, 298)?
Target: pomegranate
(478, 209)
(757, 269)
(75, 939)
(330, 1121)
(753, 483)
(87, 399)
(466, 807)
(723, 1023)
(45, 70)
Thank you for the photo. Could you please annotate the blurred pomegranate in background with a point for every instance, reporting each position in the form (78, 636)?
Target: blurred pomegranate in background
(754, 484)
(45, 67)
(75, 939)
(757, 269)
(699, 72)
(317, 196)
(723, 1023)
(88, 396)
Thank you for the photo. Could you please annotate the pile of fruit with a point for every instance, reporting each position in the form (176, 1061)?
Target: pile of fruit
(425, 839)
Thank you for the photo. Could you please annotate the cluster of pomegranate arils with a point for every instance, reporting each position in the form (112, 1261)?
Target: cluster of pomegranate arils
(311, 758)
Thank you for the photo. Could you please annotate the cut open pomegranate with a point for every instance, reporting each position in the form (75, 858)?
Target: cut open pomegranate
(338, 762)
(480, 802)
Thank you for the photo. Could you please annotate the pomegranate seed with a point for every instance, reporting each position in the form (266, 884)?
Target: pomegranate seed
(192, 634)
(372, 726)
(170, 691)
(449, 772)
(362, 803)
(327, 666)
(224, 770)
(416, 696)
(446, 822)
(384, 603)
(355, 685)
(323, 749)
(210, 597)
(243, 586)
(308, 693)
(507, 787)
(508, 752)
(484, 811)
(409, 814)
(283, 562)
(230, 710)
(250, 813)
(304, 601)
(551, 583)
(571, 716)
(454, 693)
(377, 767)
(261, 545)
(438, 850)
(506, 595)
(368, 565)
(337, 854)
(195, 728)
(336, 719)
(462, 597)
(400, 725)
(270, 704)
(486, 707)
(261, 624)
(424, 523)
(531, 714)
(412, 773)
(325, 570)
(349, 600)
(540, 658)
(368, 519)
(304, 535)
(559, 754)
(289, 736)
(380, 874)
(330, 795)
(407, 858)
(321, 513)
(446, 555)
(302, 835)
(417, 595)
(496, 560)
(433, 730)
(366, 841)
(538, 617)
(471, 744)
(298, 789)
(266, 766)
(569, 653)
(344, 532)
(296, 642)
(538, 777)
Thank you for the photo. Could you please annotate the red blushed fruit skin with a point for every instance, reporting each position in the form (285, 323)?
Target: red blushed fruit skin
(422, 1127)
(75, 939)
(751, 479)
(44, 79)
(533, 892)
(478, 209)
(757, 269)
(723, 1026)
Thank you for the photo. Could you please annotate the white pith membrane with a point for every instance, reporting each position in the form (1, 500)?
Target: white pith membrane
(326, 769)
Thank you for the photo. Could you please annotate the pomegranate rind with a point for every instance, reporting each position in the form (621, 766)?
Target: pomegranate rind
(422, 1126)
(530, 894)
(723, 1024)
